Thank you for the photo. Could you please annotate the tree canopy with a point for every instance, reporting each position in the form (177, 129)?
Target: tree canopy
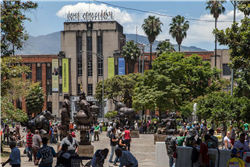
(35, 99)
(110, 115)
(173, 80)
(164, 46)
(119, 87)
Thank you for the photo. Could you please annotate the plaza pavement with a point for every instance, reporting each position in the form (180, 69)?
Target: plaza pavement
(142, 148)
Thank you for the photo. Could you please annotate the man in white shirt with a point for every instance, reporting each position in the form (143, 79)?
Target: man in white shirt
(14, 159)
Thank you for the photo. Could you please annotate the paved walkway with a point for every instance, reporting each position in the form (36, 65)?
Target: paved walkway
(142, 148)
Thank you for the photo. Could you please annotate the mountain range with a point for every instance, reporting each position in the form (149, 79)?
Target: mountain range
(51, 44)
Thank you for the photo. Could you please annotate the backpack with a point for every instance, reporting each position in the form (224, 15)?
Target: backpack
(195, 155)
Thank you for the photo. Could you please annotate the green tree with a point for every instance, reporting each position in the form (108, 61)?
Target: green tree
(131, 52)
(152, 28)
(174, 80)
(110, 115)
(164, 46)
(216, 9)
(118, 87)
(10, 68)
(178, 29)
(244, 6)
(35, 99)
(13, 33)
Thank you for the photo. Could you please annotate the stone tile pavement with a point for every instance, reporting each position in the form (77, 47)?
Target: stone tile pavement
(142, 148)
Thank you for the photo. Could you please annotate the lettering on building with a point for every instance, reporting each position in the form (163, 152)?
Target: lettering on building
(90, 16)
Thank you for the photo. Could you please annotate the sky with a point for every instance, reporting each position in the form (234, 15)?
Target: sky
(50, 16)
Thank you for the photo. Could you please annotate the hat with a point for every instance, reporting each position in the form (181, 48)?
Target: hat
(126, 127)
(235, 151)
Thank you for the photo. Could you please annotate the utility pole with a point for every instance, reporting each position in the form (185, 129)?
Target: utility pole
(232, 71)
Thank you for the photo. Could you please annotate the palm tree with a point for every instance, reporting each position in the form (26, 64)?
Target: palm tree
(216, 9)
(164, 46)
(131, 52)
(178, 29)
(152, 28)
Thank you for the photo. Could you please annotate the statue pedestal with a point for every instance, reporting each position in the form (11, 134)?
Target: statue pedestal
(86, 150)
(134, 133)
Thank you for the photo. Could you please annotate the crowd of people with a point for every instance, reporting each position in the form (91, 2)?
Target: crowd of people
(198, 136)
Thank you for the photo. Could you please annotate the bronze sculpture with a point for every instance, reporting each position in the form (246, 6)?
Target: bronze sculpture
(168, 123)
(65, 116)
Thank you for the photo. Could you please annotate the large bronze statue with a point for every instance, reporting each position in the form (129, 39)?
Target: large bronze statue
(84, 117)
(125, 113)
(41, 121)
(168, 123)
(65, 116)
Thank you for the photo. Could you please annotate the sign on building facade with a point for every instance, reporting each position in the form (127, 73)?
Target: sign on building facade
(55, 75)
(121, 66)
(90, 16)
(65, 75)
(111, 67)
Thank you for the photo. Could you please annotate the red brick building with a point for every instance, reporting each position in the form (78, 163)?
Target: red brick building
(40, 66)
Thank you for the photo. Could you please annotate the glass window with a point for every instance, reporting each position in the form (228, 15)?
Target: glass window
(90, 64)
(100, 67)
(78, 88)
(79, 56)
(89, 43)
(49, 89)
(60, 89)
(38, 72)
(49, 72)
(49, 106)
(90, 89)
(226, 69)
(100, 50)
(99, 44)
(29, 76)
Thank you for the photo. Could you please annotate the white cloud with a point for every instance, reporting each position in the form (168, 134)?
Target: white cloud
(122, 17)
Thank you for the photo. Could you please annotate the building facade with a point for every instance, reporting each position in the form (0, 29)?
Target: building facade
(87, 46)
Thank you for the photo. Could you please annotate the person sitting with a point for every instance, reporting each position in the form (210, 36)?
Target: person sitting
(126, 158)
(236, 160)
(63, 157)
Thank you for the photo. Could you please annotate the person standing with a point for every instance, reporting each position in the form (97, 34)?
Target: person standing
(100, 125)
(17, 128)
(6, 133)
(91, 132)
(184, 126)
(246, 126)
(204, 157)
(97, 129)
(190, 138)
(113, 143)
(29, 142)
(144, 125)
(52, 134)
(56, 132)
(46, 154)
(180, 139)
(233, 134)
(36, 142)
(214, 139)
(127, 137)
(227, 141)
(71, 142)
(223, 130)
(241, 144)
(148, 127)
(171, 143)
(236, 160)
(109, 130)
(15, 156)
(126, 158)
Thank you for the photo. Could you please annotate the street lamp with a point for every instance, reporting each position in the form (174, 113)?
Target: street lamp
(102, 57)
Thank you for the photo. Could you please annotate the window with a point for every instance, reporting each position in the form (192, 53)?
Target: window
(49, 106)
(99, 50)
(90, 64)
(29, 76)
(79, 55)
(49, 89)
(60, 89)
(49, 72)
(78, 88)
(60, 72)
(38, 72)
(89, 56)
(90, 89)
(226, 69)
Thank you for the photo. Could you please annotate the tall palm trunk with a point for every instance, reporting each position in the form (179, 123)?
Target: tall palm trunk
(150, 63)
(179, 48)
(215, 51)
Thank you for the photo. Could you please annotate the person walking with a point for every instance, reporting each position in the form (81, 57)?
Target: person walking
(109, 130)
(71, 142)
(46, 154)
(15, 156)
(36, 142)
(100, 125)
(170, 142)
(6, 134)
(113, 143)
(29, 142)
(204, 157)
(91, 132)
(126, 158)
(232, 134)
(227, 142)
(127, 137)
(96, 131)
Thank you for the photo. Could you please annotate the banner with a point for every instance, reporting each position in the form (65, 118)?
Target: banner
(121, 66)
(65, 75)
(55, 75)
(111, 67)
